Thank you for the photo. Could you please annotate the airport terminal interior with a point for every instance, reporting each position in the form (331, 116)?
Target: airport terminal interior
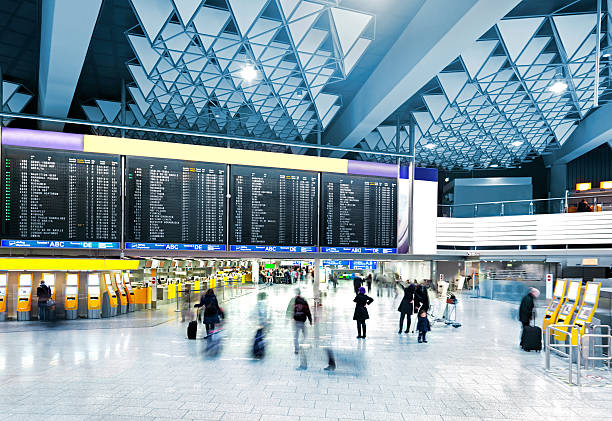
(305, 210)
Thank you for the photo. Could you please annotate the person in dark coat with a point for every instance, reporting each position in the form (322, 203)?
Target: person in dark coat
(583, 206)
(423, 298)
(43, 292)
(211, 310)
(357, 283)
(527, 305)
(361, 312)
(406, 307)
(423, 326)
(369, 282)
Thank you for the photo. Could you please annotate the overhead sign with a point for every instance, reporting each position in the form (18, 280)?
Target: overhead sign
(60, 244)
(358, 250)
(175, 247)
(336, 262)
(363, 264)
(274, 249)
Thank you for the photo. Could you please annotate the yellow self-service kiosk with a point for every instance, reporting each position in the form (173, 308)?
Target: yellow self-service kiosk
(129, 292)
(94, 301)
(568, 308)
(121, 295)
(3, 287)
(585, 314)
(24, 297)
(109, 297)
(71, 296)
(555, 305)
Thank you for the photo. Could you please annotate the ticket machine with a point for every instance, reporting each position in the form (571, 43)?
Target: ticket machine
(129, 292)
(109, 297)
(587, 308)
(94, 300)
(569, 307)
(555, 305)
(71, 296)
(3, 287)
(24, 297)
(122, 302)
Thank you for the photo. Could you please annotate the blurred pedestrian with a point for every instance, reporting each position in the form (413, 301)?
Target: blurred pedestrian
(43, 292)
(357, 282)
(369, 282)
(526, 312)
(406, 307)
(300, 312)
(361, 312)
(212, 311)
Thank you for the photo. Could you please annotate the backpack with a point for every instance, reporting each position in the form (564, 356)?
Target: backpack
(299, 312)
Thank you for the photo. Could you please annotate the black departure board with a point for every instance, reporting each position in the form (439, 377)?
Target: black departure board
(172, 201)
(273, 206)
(61, 195)
(358, 211)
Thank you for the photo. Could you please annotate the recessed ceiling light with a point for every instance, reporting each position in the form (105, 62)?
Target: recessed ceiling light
(429, 146)
(494, 165)
(606, 55)
(248, 73)
(517, 143)
(558, 87)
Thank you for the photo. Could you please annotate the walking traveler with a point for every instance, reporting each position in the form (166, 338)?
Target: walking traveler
(212, 311)
(300, 312)
(369, 282)
(361, 312)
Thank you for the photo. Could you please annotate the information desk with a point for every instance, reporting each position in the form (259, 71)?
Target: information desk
(71, 297)
(358, 211)
(273, 207)
(569, 307)
(3, 288)
(174, 202)
(109, 297)
(59, 197)
(121, 294)
(24, 297)
(555, 304)
(94, 299)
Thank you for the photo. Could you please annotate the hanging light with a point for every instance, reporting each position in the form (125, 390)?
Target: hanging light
(429, 146)
(248, 73)
(517, 143)
(558, 87)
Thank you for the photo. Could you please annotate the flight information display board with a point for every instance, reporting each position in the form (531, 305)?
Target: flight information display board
(273, 207)
(358, 212)
(179, 205)
(60, 199)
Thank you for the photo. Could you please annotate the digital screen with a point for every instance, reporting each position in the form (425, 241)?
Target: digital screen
(3, 278)
(60, 196)
(170, 201)
(25, 280)
(590, 295)
(71, 290)
(358, 211)
(559, 286)
(273, 207)
(572, 292)
(72, 279)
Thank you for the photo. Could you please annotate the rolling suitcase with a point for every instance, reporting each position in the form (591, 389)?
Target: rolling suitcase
(192, 329)
(259, 347)
(531, 339)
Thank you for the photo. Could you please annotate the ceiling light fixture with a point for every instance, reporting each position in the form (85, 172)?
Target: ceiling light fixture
(606, 55)
(248, 73)
(517, 143)
(429, 146)
(558, 87)
(494, 165)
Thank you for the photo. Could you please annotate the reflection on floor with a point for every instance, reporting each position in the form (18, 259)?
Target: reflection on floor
(151, 371)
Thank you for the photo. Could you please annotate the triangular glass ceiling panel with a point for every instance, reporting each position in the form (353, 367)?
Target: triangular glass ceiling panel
(92, 113)
(330, 114)
(147, 56)
(475, 56)
(139, 99)
(18, 101)
(153, 15)
(245, 12)
(299, 28)
(110, 109)
(517, 33)
(8, 89)
(349, 26)
(573, 29)
(388, 134)
(210, 21)
(452, 83)
(288, 6)
(436, 104)
(531, 52)
(355, 54)
(186, 9)
(323, 103)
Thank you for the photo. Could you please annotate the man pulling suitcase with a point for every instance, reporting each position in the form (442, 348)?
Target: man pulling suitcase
(531, 336)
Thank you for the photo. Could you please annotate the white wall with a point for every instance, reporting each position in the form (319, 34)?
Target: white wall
(425, 215)
(416, 269)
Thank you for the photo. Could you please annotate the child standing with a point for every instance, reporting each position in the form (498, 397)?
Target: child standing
(423, 326)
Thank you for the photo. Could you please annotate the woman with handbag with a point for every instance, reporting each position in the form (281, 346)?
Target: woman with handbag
(211, 310)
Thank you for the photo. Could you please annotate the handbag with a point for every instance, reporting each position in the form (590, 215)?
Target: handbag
(50, 302)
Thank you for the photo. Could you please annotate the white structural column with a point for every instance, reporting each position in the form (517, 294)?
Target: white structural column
(437, 35)
(66, 29)
(316, 292)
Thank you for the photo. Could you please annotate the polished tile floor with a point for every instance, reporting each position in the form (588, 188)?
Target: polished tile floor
(145, 368)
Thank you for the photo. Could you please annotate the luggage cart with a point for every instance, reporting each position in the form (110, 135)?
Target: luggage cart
(450, 312)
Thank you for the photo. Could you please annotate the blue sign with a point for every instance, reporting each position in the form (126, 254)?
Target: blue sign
(362, 250)
(336, 262)
(363, 264)
(175, 247)
(276, 249)
(60, 244)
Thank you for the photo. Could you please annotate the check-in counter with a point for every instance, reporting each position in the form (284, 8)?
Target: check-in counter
(3, 289)
(24, 297)
(71, 296)
(142, 297)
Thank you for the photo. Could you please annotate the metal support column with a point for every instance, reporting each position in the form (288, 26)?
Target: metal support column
(1, 97)
(123, 107)
(411, 197)
(315, 285)
(319, 139)
(597, 56)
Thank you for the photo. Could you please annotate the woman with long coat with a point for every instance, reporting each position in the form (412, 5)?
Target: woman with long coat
(406, 307)
(211, 310)
(361, 312)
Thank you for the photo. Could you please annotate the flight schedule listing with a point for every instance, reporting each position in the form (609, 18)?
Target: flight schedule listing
(273, 207)
(358, 211)
(61, 196)
(172, 201)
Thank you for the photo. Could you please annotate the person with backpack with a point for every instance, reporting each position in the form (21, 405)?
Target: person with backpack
(361, 312)
(43, 292)
(300, 312)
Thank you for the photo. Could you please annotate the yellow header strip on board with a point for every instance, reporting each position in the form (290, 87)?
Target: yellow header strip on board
(154, 149)
(29, 264)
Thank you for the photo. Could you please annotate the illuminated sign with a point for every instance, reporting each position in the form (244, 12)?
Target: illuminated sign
(175, 247)
(583, 186)
(605, 185)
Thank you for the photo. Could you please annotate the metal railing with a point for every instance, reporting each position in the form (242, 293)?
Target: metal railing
(562, 329)
(589, 344)
(555, 205)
